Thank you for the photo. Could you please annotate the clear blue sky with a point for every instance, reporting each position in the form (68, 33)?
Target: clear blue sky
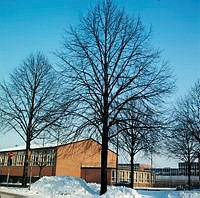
(29, 26)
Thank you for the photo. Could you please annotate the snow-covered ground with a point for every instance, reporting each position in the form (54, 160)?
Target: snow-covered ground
(70, 187)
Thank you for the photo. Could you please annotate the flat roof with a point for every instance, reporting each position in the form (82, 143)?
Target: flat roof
(46, 146)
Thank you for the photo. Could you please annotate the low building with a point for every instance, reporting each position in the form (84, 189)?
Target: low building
(136, 166)
(172, 177)
(79, 159)
(141, 178)
(64, 159)
(183, 168)
(174, 181)
(167, 171)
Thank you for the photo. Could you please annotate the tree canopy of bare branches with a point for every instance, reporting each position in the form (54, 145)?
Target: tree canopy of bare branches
(183, 141)
(188, 111)
(32, 101)
(139, 131)
(108, 61)
(181, 145)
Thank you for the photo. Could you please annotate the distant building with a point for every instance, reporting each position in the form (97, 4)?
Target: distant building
(136, 166)
(172, 177)
(174, 181)
(165, 171)
(142, 177)
(183, 168)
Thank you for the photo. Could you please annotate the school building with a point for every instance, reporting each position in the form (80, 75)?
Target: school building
(79, 159)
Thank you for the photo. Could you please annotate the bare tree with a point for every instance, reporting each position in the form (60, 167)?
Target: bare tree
(108, 62)
(189, 111)
(32, 101)
(140, 131)
(184, 141)
(181, 145)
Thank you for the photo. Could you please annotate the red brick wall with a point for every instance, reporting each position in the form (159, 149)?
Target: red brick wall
(18, 170)
(94, 175)
(70, 158)
(91, 175)
(142, 185)
(14, 170)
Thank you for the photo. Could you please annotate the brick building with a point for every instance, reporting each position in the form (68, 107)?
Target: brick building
(79, 159)
(136, 166)
(142, 178)
(64, 159)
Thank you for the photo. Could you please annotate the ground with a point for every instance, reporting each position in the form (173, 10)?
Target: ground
(66, 186)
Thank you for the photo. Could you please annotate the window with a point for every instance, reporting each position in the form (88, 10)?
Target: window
(121, 175)
(148, 177)
(136, 177)
(113, 175)
(142, 177)
(43, 157)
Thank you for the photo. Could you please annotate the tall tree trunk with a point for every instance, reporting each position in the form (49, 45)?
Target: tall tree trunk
(104, 151)
(189, 174)
(116, 180)
(26, 164)
(132, 165)
(199, 166)
(132, 170)
(132, 160)
(104, 156)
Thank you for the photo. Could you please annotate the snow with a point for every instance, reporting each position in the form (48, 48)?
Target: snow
(62, 185)
(71, 187)
(76, 187)
(23, 147)
(169, 194)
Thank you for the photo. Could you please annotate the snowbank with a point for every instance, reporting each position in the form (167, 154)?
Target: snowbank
(121, 192)
(71, 187)
(169, 194)
(62, 185)
(76, 187)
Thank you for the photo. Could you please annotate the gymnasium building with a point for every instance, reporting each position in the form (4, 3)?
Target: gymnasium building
(79, 159)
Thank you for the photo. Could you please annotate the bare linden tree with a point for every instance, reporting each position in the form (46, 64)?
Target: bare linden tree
(32, 101)
(183, 140)
(108, 61)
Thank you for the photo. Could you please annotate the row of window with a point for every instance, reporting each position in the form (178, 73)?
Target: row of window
(139, 177)
(45, 157)
(184, 165)
(17, 159)
(185, 172)
(175, 172)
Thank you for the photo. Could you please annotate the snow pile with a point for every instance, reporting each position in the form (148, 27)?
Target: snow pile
(114, 192)
(67, 186)
(189, 195)
(121, 192)
(62, 185)
(71, 187)
(169, 194)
